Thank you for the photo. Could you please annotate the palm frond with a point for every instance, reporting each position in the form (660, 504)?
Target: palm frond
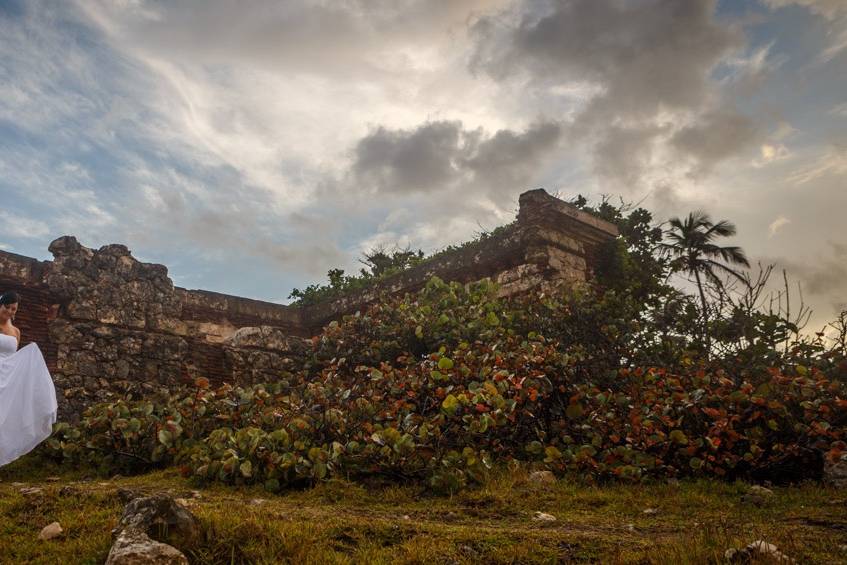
(723, 228)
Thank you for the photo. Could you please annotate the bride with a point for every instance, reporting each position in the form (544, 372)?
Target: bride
(27, 396)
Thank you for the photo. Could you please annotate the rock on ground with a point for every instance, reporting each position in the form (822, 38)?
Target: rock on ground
(543, 517)
(542, 477)
(758, 548)
(835, 472)
(159, 516)
(146, 518)
(136, 548)
(50, 531)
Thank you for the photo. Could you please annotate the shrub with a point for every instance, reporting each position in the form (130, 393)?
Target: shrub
(440, 385)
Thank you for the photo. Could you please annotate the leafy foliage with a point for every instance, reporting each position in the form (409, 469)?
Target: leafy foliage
(441, 385)
(380, 264)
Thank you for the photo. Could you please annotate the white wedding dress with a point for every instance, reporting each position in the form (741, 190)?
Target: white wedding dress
(27, 399)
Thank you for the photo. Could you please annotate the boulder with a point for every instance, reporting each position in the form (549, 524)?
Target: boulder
(133, 547)
(542, 478)
(757, 495)
(757, 549)
(835, 472)
(543, 517)
(50, 531)
(160, 517)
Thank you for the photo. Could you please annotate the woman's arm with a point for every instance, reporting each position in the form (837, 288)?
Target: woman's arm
(17, 334)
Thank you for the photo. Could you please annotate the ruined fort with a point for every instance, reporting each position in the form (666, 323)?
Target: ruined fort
(109, 324)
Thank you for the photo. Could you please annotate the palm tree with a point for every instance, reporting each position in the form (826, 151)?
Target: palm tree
(691, 242)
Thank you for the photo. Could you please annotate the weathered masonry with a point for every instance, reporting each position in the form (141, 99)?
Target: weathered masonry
(109, 324)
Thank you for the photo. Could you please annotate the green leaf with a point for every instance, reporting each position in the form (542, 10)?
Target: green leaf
(272, 485)
(246, 469)
(678, 437)
(552, 454)
(166, 437)
(450, 405)
(445, 363)
(492, 320)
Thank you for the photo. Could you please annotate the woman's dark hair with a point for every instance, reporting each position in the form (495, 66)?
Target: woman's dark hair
(10, 297)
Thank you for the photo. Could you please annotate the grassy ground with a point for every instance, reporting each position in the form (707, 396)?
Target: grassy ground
(340, 522)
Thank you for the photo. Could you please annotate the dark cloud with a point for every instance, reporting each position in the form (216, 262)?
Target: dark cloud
(442, 155)
(508, 160)
(829, 276)
(823, 278)
(622, 154)
(646, 58)
(427, 158)
(714, 137)
(646, 54)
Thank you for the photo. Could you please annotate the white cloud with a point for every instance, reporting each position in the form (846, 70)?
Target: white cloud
(777, 225)
(832, 162)
(16, 225)
(770, 152)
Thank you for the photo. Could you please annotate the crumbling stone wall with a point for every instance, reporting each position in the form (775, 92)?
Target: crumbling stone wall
(550, 242)
(109, 324)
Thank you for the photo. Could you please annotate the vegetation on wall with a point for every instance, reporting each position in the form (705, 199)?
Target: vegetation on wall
(629, 379)
(379, 265)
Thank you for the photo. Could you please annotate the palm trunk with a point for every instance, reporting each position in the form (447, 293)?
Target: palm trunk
(705, 332)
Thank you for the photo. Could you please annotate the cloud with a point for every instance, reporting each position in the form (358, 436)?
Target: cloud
(426, 158)
(439, 156)
(657, 53)
(342, 40)
(15, 225)
(832, 163)
(835, 14)
(824, 274)
(715, 137)
(651, 65)
(777, 225)
(769, 153)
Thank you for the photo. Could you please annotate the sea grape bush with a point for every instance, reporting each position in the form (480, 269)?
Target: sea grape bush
(440, 385)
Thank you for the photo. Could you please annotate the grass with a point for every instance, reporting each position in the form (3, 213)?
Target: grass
(342, 522)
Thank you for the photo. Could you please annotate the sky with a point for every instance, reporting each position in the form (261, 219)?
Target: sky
(251, 146)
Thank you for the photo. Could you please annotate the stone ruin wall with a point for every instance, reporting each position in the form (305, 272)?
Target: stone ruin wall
(109, 324)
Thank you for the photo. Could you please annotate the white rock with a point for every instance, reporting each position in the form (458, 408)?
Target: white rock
(760, 490)
(543, 517)
(29, 491)
(50, 531)
(136, 548)
(542, 477)
(759, 547)
(650, 511)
